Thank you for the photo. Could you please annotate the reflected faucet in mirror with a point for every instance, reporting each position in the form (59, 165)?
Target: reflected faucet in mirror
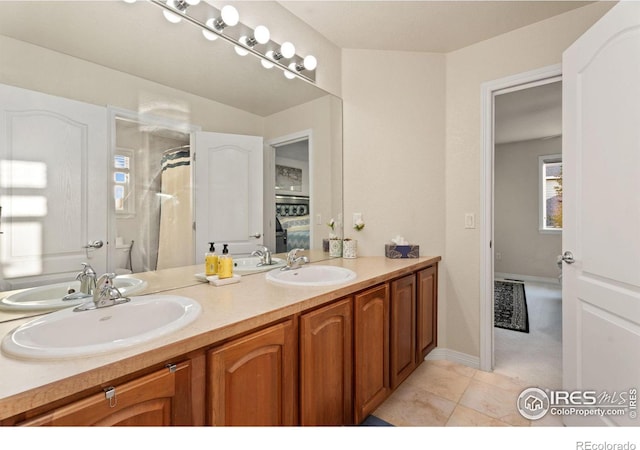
(87, 279)
(264, 254)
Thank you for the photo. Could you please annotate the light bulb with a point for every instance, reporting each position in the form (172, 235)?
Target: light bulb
(287, 50)
(171, 17)
(129, 1)
(239, 50)
(288, 74)
(310, 62)
(210, 35)
(192, 2)
(266, 64)
(230, 15)
(261, 34)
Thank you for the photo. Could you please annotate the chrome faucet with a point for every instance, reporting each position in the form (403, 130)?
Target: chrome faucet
(294, 261)
(87, 279)
(264, 254)
(105, 294)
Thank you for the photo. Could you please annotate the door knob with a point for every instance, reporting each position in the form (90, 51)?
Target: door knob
(94, 244)
(568, 257)
(255, 235)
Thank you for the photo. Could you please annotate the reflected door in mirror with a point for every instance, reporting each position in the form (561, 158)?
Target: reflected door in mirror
(53, 154)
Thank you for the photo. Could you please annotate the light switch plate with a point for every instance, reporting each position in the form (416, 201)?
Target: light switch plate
(469, 220)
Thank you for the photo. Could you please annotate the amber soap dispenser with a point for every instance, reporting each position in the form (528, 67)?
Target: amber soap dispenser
(211, 261)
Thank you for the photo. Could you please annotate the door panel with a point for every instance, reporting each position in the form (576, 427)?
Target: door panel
(601, 289)
(228, 192)
(53, 187)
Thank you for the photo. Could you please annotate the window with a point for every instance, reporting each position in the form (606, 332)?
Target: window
(550, 193)
(123, 194)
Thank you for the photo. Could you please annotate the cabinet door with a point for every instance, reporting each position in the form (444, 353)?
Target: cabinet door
(403, 329)
(252, 379)
(326, 365)
(427, 298)
(371, 346)
(146, 401)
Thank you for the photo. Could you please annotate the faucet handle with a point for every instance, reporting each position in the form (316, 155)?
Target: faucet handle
(87, 269)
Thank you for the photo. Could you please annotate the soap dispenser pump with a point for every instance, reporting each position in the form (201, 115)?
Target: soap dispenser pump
(225, 268)
(211, 261)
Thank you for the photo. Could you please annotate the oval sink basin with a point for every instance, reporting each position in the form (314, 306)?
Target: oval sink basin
(51, 295)
(250, 265)
(312, 276)
(68, 334)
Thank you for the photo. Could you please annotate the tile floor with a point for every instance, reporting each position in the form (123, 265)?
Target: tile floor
(442, 393)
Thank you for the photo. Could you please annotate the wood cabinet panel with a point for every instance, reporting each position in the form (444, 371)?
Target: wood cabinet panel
(427, 309)
(326, 365)
(371, 347)
(146, 401)
(403, 329)
(252, 381)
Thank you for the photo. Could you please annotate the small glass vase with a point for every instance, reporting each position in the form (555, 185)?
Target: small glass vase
(335, 247)
(350, 248)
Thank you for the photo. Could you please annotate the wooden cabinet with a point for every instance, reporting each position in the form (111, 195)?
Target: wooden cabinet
(371, 347)
(427, 310)
(403, 329)
(252, 380)
(151, 400)
(326, 365)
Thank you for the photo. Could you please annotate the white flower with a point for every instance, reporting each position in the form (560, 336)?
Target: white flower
(359, 225)
(331, 224)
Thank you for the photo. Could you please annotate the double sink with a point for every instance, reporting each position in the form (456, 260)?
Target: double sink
(68, 334)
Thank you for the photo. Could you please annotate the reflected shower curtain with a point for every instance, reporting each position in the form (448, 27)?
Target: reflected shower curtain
(175, 247)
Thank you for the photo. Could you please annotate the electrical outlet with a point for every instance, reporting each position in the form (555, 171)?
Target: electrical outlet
(318, 219)
(356, 217)
(469, 220)
(498, 255)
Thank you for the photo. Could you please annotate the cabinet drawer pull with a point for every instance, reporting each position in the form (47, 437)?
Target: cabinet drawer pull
(110, 394)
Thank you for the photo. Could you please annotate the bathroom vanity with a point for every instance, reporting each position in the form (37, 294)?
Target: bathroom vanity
(259, 354)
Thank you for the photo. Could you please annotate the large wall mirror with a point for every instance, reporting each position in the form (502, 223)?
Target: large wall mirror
(158, 93)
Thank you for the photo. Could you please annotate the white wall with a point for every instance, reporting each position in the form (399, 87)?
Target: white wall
(532, 47)
(523, 249)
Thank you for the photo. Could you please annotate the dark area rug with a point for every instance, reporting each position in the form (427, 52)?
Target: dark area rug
(373, 421)
(510, 306)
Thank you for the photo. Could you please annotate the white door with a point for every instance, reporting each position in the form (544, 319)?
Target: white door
(53, 187)
(228, 192)
(601, 289)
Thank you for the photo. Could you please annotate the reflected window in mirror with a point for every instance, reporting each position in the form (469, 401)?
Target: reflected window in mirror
(123, 175)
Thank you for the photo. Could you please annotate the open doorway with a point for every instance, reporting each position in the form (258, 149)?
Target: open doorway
(521, 296)
(528, 234)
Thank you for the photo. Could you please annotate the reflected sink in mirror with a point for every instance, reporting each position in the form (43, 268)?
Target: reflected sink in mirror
(50, 296)
(68, 334)
(319, 275)
(251, 264)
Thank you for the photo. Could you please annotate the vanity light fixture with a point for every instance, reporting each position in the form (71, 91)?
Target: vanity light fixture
(261, 35)
(180, 6)
(212, 29)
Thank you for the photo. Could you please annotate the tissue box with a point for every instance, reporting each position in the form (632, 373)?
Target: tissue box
(401, 251)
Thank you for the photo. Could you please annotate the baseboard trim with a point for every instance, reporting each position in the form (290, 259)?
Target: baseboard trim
(516, 276)
(446, 354)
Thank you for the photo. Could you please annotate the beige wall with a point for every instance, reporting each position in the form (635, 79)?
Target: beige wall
(523, 249)
(538, 45)
(394, 143)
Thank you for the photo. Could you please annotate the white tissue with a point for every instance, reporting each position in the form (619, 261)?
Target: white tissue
(399, 240)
